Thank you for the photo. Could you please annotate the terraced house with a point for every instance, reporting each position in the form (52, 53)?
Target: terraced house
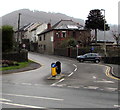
(49, 39)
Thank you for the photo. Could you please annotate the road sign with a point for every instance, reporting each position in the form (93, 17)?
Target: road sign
(77, 46)
(52, 39)
(24, 45)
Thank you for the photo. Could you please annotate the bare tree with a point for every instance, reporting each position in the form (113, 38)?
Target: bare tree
(116, 36)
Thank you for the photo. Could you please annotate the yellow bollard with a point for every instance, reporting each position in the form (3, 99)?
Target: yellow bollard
(53, 70)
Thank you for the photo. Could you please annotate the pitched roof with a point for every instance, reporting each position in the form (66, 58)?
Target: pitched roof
(25, 27)
(35, 26)
(67, 24)
(64, 25)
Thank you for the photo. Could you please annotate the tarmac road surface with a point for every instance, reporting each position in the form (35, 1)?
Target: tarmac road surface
(85, 85)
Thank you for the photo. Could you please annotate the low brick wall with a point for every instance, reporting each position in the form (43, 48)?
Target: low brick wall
(73, 54)
(19, 57)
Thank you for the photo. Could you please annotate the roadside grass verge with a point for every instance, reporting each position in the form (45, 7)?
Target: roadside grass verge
(21, 65)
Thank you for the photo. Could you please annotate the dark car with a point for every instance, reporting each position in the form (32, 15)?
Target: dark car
(95, 57)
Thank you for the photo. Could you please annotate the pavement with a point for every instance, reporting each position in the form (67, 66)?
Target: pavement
(31, 66)
(115, 70)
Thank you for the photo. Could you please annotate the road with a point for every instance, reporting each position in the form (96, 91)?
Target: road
(85, 85)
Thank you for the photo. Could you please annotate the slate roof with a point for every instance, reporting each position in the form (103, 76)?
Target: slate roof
(64, 25)
(67, 24)
(35, 26)
(25, 27)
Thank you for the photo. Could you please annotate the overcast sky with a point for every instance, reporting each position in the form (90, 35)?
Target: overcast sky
(75, 8)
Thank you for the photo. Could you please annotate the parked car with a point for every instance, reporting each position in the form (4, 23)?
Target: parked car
(95, 57)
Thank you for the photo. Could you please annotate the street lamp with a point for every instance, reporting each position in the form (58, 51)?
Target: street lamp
(105, 53)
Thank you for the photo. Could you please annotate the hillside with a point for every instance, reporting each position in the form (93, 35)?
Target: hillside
(28, 16)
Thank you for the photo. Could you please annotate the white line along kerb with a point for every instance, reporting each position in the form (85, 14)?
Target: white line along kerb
(1, 99)
(37, 97)
(21, 105)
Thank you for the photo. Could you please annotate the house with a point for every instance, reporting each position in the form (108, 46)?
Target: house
(23, 32)
(34, 31)
(34, 35)
(54, 35)
(22, 35)
(28, 33)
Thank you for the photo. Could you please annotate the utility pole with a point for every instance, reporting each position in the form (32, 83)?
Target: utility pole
(105, 52)
(18, 28)
(18, 34)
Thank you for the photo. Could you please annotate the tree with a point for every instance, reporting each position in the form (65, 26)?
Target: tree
(96, 21)
(68, 42)
(71, 42)
(7, 38)
(116, 36)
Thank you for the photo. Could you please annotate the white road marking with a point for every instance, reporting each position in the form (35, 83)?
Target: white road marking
(70, 74)
(21, 105)
(75, 69)
(76, 87)
(111, 89)
(75, 65)
(58, 82)
(1, 99)
(116, 105)
(54, 84)
(47, 98)
(71, 86)
(105, 81)
(60, 85)
(28, 84)
(94, 77)
(91, 87)
(101, 89)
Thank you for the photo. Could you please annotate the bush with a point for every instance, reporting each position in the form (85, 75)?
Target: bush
(7, 38)
(6, 63)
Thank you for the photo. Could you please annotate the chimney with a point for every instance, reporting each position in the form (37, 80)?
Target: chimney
(48, 25)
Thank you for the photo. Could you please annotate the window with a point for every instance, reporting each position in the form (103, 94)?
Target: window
(40, 38)
(74, 34)
(63, 34)
(44, 37)
(44, 47)
(58, 34)
(40, 46)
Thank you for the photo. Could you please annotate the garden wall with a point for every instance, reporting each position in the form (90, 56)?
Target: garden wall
(19, 57)
(112, 60)
(113, 53)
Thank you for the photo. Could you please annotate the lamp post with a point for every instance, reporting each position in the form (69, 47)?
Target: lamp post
(105, 53)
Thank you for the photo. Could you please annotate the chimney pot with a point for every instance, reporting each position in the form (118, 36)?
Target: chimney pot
(48, 25)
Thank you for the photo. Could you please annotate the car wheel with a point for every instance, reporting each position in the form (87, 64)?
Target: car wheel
(81, 60)
(97, 61)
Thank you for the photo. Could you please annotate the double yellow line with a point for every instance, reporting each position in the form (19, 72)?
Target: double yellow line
(107, 72)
